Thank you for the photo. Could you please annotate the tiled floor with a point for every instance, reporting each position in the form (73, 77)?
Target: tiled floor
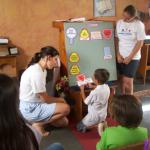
(63, 136)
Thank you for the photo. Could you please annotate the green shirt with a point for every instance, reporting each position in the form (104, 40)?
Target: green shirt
(119, 136)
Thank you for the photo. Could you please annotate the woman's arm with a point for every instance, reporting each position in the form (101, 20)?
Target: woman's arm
(119, 57)
(137, 47)
(49, 99)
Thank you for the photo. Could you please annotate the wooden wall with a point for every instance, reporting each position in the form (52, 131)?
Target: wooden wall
(28, 23)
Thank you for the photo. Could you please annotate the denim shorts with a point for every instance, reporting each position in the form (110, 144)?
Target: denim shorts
(128, 70)
(37, 111)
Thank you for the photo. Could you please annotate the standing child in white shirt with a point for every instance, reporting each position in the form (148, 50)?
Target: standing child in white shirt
(97, 101)
(130, 32)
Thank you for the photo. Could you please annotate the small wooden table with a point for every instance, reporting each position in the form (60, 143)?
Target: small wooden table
(78, 108)
(144, 66)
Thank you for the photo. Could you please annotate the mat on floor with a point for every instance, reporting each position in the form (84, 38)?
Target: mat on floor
(89, 139)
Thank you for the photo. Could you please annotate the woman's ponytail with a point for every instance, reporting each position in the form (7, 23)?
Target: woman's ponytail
(45, 51)
(35, 59)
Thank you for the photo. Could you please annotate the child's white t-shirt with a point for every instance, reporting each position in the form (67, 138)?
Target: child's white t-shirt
(97, 100)
(128, 34)
(33, 81)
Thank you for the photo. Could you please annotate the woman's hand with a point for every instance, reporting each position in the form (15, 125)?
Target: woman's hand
(127, 60)
(120, 59)
(50, 99)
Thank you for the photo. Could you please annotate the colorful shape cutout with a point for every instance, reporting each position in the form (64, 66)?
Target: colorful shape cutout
(96, 35)
(107, 34)
(71, 33)
(84, 34)
(74, 57)
(107, 53)
(85, 81)
(80, 77)
(93, 25)
(74, 70)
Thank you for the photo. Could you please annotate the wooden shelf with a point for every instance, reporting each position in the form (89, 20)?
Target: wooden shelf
(8, 56)
(144, 66)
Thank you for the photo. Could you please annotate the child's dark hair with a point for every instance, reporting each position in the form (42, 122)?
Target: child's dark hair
(101, 75)
(131, 10)
(126, 110)
(45, 51)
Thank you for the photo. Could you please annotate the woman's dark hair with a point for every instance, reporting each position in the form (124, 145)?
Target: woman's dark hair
(14, 133)
(126, 110)
(130, 9)
(101, 75)
(45, 51)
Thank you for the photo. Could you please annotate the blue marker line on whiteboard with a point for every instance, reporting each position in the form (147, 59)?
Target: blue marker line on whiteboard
(71, 34)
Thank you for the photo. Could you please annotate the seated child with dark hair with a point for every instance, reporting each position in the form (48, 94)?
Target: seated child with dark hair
(97, 101)
(127, 111)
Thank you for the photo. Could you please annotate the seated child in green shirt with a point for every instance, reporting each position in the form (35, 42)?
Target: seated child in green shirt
(127, 111)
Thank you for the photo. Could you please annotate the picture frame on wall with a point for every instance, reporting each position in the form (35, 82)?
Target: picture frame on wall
(104, 8)
(13, 51)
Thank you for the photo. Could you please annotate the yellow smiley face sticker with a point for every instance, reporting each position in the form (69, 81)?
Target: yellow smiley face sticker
(84, 34)
(74, 57)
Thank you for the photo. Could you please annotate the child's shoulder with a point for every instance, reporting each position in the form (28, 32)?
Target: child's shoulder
(142, 129)
(121, 128)
(102, 86)
(113, 128)
(100, 89)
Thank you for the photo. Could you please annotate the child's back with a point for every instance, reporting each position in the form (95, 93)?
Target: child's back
(97, 101)
(120, 136)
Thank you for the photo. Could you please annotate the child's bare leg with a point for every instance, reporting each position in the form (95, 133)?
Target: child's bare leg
(95, 126)
(63, 122)
(101, 127)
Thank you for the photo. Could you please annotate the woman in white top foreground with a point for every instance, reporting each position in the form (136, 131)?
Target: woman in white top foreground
(131, 33)
(35, 104)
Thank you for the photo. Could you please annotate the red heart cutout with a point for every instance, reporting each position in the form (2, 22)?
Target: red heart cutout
(80, 77)
(107, 33)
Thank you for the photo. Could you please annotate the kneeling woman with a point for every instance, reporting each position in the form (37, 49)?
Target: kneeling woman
(35, 104)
